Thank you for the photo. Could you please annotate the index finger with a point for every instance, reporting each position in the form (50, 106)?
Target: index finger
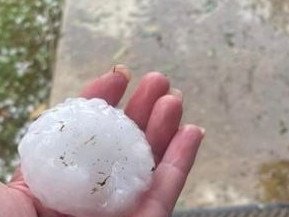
(110, 86)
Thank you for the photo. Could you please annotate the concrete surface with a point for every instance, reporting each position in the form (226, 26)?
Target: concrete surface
(229, 57)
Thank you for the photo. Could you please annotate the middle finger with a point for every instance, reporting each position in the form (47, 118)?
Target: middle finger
(151, 88)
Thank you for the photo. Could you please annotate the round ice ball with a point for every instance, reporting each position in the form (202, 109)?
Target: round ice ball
(86, 158)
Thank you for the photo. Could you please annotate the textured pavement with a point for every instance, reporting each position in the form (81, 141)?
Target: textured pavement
(230, 59)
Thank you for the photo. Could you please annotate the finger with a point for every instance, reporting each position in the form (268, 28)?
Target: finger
(163, 124)
(171, 173)
(110, 86)
(151, 87)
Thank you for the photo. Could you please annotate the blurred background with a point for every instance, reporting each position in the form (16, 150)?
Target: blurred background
(229, 57)
(28, 35)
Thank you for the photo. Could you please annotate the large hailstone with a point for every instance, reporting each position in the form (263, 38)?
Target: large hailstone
(87, 159)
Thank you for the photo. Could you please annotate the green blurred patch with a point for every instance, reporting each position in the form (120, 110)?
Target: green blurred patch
(28, 35)
(274, 179)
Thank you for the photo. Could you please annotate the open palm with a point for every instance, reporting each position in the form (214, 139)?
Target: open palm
(158, 113)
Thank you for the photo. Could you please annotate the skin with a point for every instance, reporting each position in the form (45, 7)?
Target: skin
(158, 113)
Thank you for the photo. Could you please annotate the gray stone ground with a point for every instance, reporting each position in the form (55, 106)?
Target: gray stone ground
(229, 57)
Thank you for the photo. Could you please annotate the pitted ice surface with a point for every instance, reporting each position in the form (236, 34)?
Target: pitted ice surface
(87, 159)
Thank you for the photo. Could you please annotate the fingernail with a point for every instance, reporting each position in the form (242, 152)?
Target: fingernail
(122, 69)
(176, 92)
(203, 131)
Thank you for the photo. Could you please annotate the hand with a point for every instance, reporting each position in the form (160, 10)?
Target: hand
(158, 113)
